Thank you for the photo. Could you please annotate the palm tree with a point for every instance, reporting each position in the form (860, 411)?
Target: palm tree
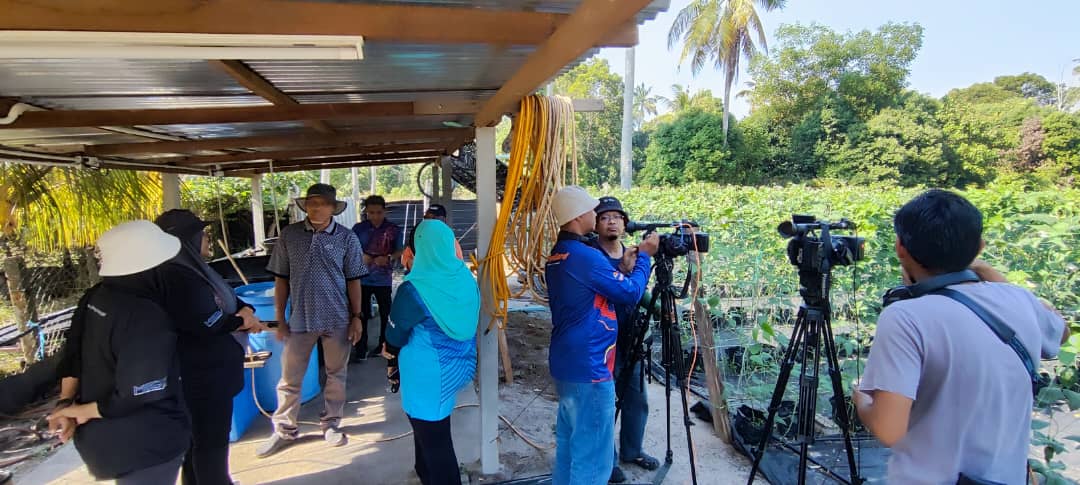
(722, 31)
(644, 103)
(681, 100)
(51, 208)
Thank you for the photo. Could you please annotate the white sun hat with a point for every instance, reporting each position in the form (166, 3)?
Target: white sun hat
(572, 201)
(134, 247)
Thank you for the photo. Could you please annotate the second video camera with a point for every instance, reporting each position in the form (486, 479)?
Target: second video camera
(814, 248)
(685, 237)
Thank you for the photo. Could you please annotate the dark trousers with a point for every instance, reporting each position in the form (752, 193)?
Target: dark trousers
(207, 461)
(382, 296)
(436, 463)
(155, 475)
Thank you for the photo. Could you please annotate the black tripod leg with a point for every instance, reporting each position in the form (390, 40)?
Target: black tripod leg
(808, 384)
(778, 392)
(841, 404)
(680, 367)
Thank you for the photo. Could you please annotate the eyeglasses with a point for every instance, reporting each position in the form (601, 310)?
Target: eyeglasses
(610, 217)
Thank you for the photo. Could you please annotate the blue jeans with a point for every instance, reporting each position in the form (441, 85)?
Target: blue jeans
(635, 412)
(584, 432)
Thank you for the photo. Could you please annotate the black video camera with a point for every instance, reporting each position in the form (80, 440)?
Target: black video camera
(684, 238)
(820, 252)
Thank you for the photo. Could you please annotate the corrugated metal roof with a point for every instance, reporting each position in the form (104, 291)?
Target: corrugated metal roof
(102, 77)
(389, 72)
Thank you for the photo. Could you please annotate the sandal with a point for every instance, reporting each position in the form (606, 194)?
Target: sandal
(645, 461)
(394, 379)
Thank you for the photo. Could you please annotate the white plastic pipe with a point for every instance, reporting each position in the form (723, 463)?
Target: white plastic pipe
(89, 51)
(16, 111)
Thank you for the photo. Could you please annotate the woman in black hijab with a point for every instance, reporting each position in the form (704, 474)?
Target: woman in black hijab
(206, 312)
(122, 374)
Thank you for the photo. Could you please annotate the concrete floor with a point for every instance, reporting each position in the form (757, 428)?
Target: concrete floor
(371, 414)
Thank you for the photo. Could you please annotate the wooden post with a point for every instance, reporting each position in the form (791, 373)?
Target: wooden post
(487, 342)
(714, 375)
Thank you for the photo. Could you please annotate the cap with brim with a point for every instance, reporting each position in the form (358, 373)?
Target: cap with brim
(611, 204)
(436, 210)
(180, 222)
(326, 192)
(134, 247)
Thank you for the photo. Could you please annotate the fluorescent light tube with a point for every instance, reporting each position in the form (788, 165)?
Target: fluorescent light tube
(138, 45)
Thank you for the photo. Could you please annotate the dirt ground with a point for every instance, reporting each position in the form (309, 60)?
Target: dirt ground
(530, 403)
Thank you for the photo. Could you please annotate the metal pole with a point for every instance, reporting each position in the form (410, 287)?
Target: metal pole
(626, 154)
(170, 191)
(257, 219)
(354, 177)
(488, 362)
(448, 188)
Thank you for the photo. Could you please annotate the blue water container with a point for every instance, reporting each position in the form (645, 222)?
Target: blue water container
(260, 296)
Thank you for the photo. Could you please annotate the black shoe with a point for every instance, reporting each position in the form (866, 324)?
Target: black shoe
(645, 461)
(617, 475)
(273, 445)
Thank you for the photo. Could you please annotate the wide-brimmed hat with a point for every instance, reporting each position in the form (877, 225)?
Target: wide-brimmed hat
(571, 202)
(325, 191)
(134, 247)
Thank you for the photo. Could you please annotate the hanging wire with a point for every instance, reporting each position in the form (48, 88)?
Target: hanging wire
(221, 211)
(273, 200)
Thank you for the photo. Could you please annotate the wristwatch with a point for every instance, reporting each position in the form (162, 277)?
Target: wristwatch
(358, 315)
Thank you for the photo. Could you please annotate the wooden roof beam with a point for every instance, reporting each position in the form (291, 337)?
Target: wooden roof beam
(316, 164)
(260, 86)
(245, 114)
(587, 26)
(301, 153)
(394, 23)
(281, 141)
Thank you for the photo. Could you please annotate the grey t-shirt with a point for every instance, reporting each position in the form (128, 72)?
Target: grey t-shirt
(972, 396)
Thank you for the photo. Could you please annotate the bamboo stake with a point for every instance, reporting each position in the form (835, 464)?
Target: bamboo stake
(234, 265)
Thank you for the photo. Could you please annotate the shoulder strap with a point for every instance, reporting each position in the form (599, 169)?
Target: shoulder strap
(1002, 330)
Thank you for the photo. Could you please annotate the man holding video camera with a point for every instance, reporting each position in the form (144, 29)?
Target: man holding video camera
(941, 388)
(583, 289)
(611, 222)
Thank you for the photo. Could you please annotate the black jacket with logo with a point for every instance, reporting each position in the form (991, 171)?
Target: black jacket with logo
(126, 361)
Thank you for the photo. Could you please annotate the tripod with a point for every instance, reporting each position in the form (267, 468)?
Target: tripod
(813, 330)
(672, 357)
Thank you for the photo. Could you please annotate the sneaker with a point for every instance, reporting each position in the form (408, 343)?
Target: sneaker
(273, 445)
(334, 437)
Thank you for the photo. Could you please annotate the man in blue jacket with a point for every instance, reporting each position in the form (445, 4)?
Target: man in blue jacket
(583, 289)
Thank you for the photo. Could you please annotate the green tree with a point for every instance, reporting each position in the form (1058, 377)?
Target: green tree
(982, 124)
(598, 134)
(1062, 139)
(691, 148)
(683, 99)
(51, 208)
(868, 69)
(1030, 85)
(723, 31)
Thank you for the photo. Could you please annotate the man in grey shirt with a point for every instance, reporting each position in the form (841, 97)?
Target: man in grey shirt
(940, 388)
(317, 264)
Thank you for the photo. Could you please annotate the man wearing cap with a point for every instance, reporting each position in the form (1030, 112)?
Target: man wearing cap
(317, 265)
(611, 221)
(434, 211)
(583, 289)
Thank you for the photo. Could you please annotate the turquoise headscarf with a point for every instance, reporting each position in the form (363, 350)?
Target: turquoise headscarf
(443, 281)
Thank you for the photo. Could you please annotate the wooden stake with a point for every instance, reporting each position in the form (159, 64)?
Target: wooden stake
(714, 375)
(504, 354)
(234, 265)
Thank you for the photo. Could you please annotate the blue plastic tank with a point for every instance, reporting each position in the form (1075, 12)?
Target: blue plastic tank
(261, 296)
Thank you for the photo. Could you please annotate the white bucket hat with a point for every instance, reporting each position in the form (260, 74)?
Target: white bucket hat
(134, 247)
(572, 201)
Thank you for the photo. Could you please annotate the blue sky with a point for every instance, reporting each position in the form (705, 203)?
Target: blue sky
(964, 41)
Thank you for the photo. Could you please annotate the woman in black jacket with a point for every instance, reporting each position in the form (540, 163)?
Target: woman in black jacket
(127, 414)
(206, 312)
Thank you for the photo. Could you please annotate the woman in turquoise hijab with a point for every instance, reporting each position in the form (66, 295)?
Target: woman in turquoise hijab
(433, 333)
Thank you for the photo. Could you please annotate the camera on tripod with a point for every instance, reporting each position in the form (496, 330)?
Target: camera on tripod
(684, 238)
(819, 253)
